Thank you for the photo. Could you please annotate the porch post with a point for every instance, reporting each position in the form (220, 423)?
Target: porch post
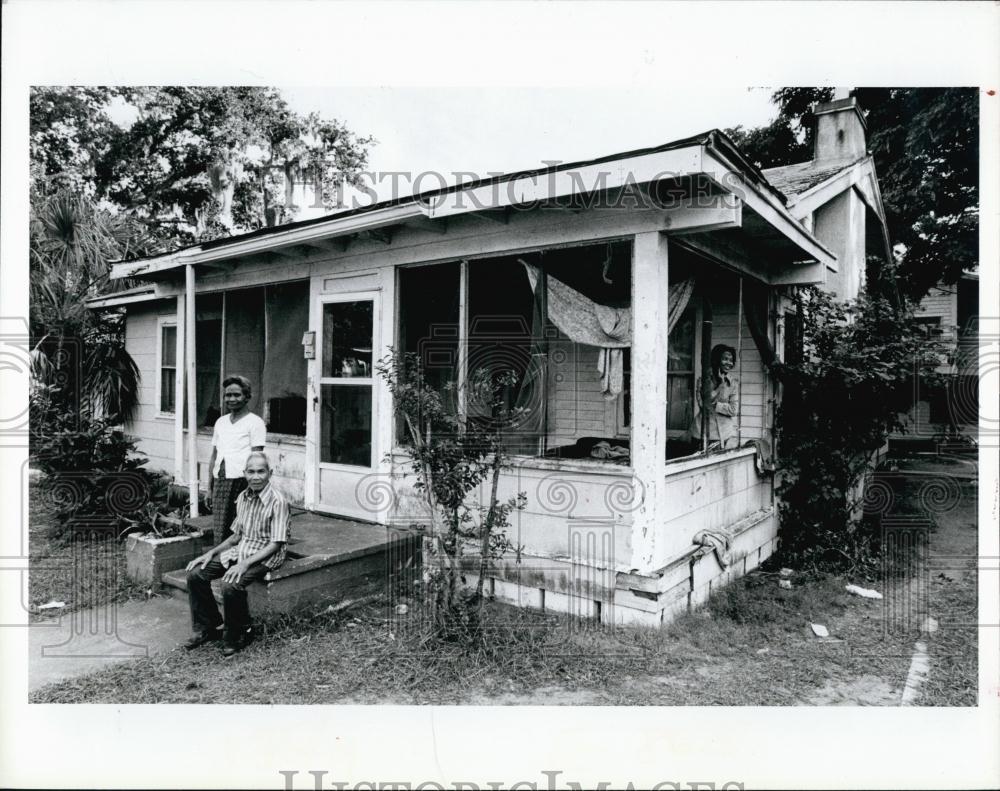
(192, 390)
(179, 392)
(650, 288)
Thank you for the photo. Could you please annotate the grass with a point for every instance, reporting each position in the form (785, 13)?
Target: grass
(68, 568)
(751, 645)
(370, 655)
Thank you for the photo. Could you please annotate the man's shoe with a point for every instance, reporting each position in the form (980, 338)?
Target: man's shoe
(241, 642)
(201, 638)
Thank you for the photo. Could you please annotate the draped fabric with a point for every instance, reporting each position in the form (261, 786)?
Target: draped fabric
(755, 309)
(609, 329)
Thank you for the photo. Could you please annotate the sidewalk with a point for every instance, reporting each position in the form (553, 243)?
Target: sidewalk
(87, 640)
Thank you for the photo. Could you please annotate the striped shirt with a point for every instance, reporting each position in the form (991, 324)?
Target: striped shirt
(260, 519)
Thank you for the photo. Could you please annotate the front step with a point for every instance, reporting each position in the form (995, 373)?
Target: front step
(176, 584)
(316, 580)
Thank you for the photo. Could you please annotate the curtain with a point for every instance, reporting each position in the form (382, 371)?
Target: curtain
(755, 305)
(609, 329)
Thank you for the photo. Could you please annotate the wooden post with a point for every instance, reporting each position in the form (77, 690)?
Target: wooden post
(462, 375)
(739, 362)
(706, 363)
(192, 390)
(179, 393)
(650, 288)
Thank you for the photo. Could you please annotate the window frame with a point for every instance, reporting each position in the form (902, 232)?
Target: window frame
(681, 433)
(161, 323)
(358, 381)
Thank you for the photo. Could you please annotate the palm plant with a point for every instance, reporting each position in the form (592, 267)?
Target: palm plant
(82, 351)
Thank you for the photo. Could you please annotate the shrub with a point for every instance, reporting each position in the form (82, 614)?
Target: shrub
(843, 395)
(91, 466)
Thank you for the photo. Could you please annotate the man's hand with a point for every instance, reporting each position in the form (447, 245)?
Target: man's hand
(234, 572)
(202, 560)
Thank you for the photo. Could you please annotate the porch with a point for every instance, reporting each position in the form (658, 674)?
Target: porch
(329, 560)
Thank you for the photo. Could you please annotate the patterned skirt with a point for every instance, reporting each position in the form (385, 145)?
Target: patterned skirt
(224, 503)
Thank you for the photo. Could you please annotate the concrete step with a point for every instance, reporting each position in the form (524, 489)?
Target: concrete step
(309, 581)
(175, 583)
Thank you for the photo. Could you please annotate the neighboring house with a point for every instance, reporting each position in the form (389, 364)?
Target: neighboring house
(950, 316)
(604, 284)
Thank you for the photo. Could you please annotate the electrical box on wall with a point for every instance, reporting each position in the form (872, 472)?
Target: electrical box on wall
(309, 345)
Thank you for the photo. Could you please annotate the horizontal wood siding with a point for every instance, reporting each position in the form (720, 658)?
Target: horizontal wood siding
(576, 406)
(714, 496)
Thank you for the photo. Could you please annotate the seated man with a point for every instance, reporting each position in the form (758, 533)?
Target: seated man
(257, 546)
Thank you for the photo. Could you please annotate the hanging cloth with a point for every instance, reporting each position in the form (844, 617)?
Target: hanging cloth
(609, 329)
(755, 309)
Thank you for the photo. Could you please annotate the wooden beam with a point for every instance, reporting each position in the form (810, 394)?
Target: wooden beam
(178, 390)
(192, 389)
(334, 245)
(501, 216)
(383, 235)
(292, 251)
(650, 283)
(220, 266)
(426, 224)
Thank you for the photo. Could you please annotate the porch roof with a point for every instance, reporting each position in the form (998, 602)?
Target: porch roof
(711, 154)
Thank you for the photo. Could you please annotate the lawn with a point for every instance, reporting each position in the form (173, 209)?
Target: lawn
(74, 568)
(751, 645)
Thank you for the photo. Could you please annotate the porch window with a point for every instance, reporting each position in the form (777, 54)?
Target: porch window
(264, 329)
(559, 319)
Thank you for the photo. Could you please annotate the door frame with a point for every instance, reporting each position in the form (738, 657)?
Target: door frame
(313, 434)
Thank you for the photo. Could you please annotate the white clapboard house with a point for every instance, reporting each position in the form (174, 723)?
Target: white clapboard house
(604, 284)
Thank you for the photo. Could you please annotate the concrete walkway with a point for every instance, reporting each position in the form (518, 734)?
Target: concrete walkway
(87, 640)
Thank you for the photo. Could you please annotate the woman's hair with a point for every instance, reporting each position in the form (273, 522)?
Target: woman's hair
(242, 381)
(717, 352)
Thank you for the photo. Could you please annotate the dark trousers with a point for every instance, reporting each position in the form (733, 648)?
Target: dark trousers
(224, 503)
(204, 611)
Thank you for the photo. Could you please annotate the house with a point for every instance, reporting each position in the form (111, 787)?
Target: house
(949, 315)
(604, 284)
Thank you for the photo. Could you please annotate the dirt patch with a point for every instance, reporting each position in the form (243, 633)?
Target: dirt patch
(863, 691)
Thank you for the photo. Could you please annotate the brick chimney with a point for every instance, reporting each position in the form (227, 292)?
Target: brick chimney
(840, 130)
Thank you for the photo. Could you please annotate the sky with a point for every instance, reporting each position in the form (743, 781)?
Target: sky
(443, 130)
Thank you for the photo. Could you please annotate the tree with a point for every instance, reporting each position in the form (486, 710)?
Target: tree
(71, 240)
(925, 145)
(190, 163)
(451, 456)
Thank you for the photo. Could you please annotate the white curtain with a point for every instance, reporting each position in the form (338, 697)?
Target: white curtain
(609, 329)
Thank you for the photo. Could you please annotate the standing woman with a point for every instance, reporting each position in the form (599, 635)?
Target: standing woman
(236, 435)
(725, 397)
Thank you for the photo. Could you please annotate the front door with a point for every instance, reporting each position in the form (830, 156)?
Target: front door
(346, 400)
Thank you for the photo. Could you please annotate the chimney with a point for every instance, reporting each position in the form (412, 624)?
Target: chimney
(840, 130)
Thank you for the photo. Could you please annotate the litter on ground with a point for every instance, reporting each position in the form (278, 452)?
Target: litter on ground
(867, 593)
(819, 630)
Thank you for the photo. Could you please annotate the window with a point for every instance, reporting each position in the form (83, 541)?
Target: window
(168, 367)
(681, 373)
(264, 328)
(252, 332)
(548, 335)
(209, 339)
(792, 354)
(931, 326)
